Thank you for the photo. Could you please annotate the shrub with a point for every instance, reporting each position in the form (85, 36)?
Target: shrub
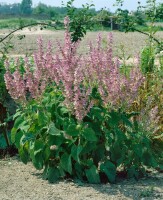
(73, 118)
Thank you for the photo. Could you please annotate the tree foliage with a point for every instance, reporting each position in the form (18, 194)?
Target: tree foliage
(26, 7)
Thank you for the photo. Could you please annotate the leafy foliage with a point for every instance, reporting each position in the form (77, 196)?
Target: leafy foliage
(80, 20)
(147, 59)
(53, 139)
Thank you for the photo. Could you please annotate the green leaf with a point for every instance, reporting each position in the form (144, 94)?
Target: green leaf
(46, 154)
(38, 160)
(92, 175)
(23, 154)
(89, 135)
(109, 169)
(114, 119)
(75, 152)
(148, 159)
(55, 140)
(64, 110)
(117, 153)
(17, 114)
(53, 130)
(18, 138)
(79, 170)
(42, 118)
(24, 127)
(53, 174)
(66, 163)
(13, 134)
(38, 146)
(99, 153)
(97, 112)
(88, 147)
(72, 130)
(18, 122)
(126, 121)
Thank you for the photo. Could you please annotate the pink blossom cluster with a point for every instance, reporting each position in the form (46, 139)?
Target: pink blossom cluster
(104, 71)
(32, 82)
(15, 85)
(76, 75)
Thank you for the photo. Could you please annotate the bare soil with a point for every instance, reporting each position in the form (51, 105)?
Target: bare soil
(23, 182)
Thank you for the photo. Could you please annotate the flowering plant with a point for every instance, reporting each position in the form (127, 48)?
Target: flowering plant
(73, 118)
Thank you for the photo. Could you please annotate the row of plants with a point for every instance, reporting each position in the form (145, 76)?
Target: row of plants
(81, 116)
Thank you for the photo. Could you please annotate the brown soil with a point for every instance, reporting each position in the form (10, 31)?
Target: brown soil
(23, 182)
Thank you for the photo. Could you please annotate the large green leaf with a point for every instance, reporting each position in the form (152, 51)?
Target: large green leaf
(46, 154)
(55, 140)
(89, 135)
(18, 122)
(97, 113)
(38, 146)
(99, 153)
(148, 159)
(23, 154)
(42, 118)
(53, 130)
(13, 134)
(66, 163)
(75, 152)
(79, 170)
(17, 114)
(36, 149)
(114, 119)
(53, 174)
(117, 153)
(109, 169)
(126, 120)
(38, 160)
(92, 175)
(18, 138)
(72, 130)
(64, 110)
(88, 147)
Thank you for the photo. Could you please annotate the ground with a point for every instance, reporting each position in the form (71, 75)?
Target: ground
(131, 42)
(23, 182)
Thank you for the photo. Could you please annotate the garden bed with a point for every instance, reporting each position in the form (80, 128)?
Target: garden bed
(19, 181)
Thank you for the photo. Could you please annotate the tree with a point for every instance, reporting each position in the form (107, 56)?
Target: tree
(80, 19)
(159, 12)
(26, 7)
(104, 17)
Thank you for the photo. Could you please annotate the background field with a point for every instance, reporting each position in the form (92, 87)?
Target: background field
(132, 41)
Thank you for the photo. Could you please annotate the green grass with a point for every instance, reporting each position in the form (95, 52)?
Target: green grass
(157, 27)
(15, 22)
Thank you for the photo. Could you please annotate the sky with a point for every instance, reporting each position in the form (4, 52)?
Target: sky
(129, 4)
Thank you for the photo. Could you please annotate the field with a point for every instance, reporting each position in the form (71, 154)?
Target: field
(132, 42)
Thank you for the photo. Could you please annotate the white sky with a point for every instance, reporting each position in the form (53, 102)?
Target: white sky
(129, 4)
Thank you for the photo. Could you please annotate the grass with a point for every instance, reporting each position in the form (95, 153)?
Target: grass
(15, 22)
